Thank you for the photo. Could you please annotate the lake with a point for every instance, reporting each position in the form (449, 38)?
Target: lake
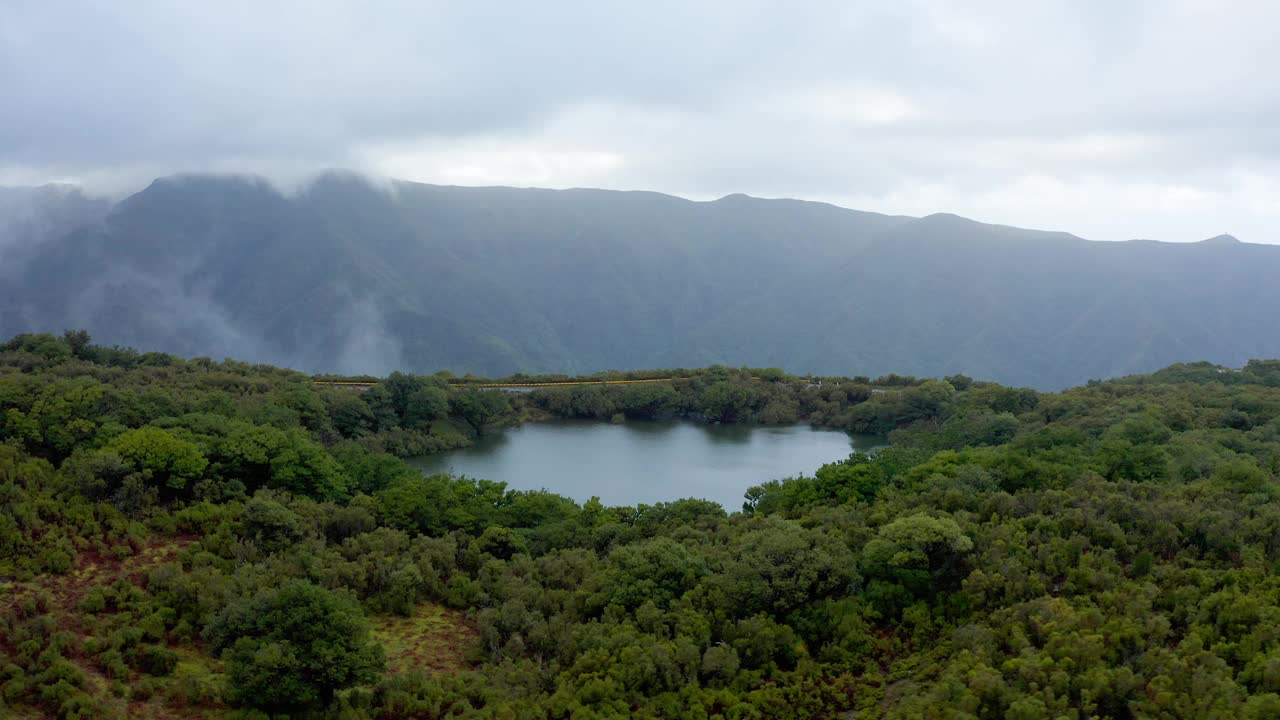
(647, 462)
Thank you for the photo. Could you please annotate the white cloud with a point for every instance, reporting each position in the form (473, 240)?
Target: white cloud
(1101, 208)
(848, 106)
(491, 161)
(1110, 120)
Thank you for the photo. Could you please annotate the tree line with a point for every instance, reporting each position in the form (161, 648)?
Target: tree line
(1109, 551)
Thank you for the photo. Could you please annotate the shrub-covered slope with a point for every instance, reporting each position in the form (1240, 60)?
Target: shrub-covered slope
(200, 539)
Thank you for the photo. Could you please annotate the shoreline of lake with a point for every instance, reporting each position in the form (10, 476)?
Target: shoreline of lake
(647, 461)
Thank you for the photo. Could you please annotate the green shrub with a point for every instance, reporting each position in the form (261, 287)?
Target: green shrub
(94, 601)
(193, 685)
(55, 561)
(155, 660)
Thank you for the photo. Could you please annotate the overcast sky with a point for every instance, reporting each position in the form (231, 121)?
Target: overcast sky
(1111, 120)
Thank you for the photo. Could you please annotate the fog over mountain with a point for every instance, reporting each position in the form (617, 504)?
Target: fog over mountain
(1112, 120)
(30, 215)
(354, 276)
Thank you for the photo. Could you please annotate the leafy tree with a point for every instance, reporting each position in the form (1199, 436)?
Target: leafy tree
(725, 402)
(439, 503)
(160, 458)
(1243, 476)
(657, 570)
(79, 343)
(302, 466)
(369, 472)
(292, 648)
(400, 387)
(268, 523)
(351, 415)
(778, 567)
(425, 405)
(856, 478)
(500, 542)
(648, 401)
(383, 407)
(780, 412)
(924, 554)
(479, 408)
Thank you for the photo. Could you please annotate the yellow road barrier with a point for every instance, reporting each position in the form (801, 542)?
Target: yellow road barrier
(554, 383)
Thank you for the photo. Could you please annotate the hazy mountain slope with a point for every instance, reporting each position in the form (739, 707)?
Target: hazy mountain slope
(1044, 309)
(30, 219)
(30, 216)
(34, 214)
(350, 276)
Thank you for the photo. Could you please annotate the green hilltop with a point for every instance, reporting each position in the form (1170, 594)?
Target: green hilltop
(190, 538)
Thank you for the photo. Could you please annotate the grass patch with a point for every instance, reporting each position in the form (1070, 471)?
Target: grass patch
(433, 639)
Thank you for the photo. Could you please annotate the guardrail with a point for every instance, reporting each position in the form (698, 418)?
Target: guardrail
(553, 383)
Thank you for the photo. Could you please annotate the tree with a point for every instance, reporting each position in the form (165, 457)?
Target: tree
(304, 467)
(778, 566)
(1243, 475)
(920, 552)
(591, 401)
(438, 503)
(350, 413)
(291, 648)
(416, 400)
(78, 341)
(268, 523)
(426, 404)
(657, 570)
(369, 472)
(648, 401)
(500, 542)
(780, 412)
(161, 458)
(725, 402)
(246, 452)
(382, 406)
(855, 478)
(479, 408)
(400, 387)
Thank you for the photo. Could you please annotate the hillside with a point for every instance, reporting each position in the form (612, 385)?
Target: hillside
(223, 540)
(349, 276)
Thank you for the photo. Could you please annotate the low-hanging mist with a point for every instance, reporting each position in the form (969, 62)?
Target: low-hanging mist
(352, 276)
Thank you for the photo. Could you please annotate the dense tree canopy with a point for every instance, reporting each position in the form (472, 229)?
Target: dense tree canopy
(292, 647)
(196, 538)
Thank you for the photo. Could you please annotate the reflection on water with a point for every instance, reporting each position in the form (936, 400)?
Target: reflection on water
(647, 462)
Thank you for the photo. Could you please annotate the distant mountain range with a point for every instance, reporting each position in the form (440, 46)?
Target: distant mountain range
(354, 276)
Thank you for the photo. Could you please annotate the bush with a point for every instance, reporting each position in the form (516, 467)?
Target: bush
(193, 685)
(291, 648)
(94, 601)
(55, 561)
(155, 660)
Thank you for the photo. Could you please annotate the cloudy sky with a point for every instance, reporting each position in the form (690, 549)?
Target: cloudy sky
(1111, 120)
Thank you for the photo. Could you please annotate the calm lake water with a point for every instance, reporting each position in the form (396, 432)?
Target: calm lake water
(647, 462)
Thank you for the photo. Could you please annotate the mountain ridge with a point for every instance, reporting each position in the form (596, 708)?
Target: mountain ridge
(262, 180)
(351, 275)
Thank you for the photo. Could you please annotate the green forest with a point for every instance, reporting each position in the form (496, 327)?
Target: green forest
(188, 538)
